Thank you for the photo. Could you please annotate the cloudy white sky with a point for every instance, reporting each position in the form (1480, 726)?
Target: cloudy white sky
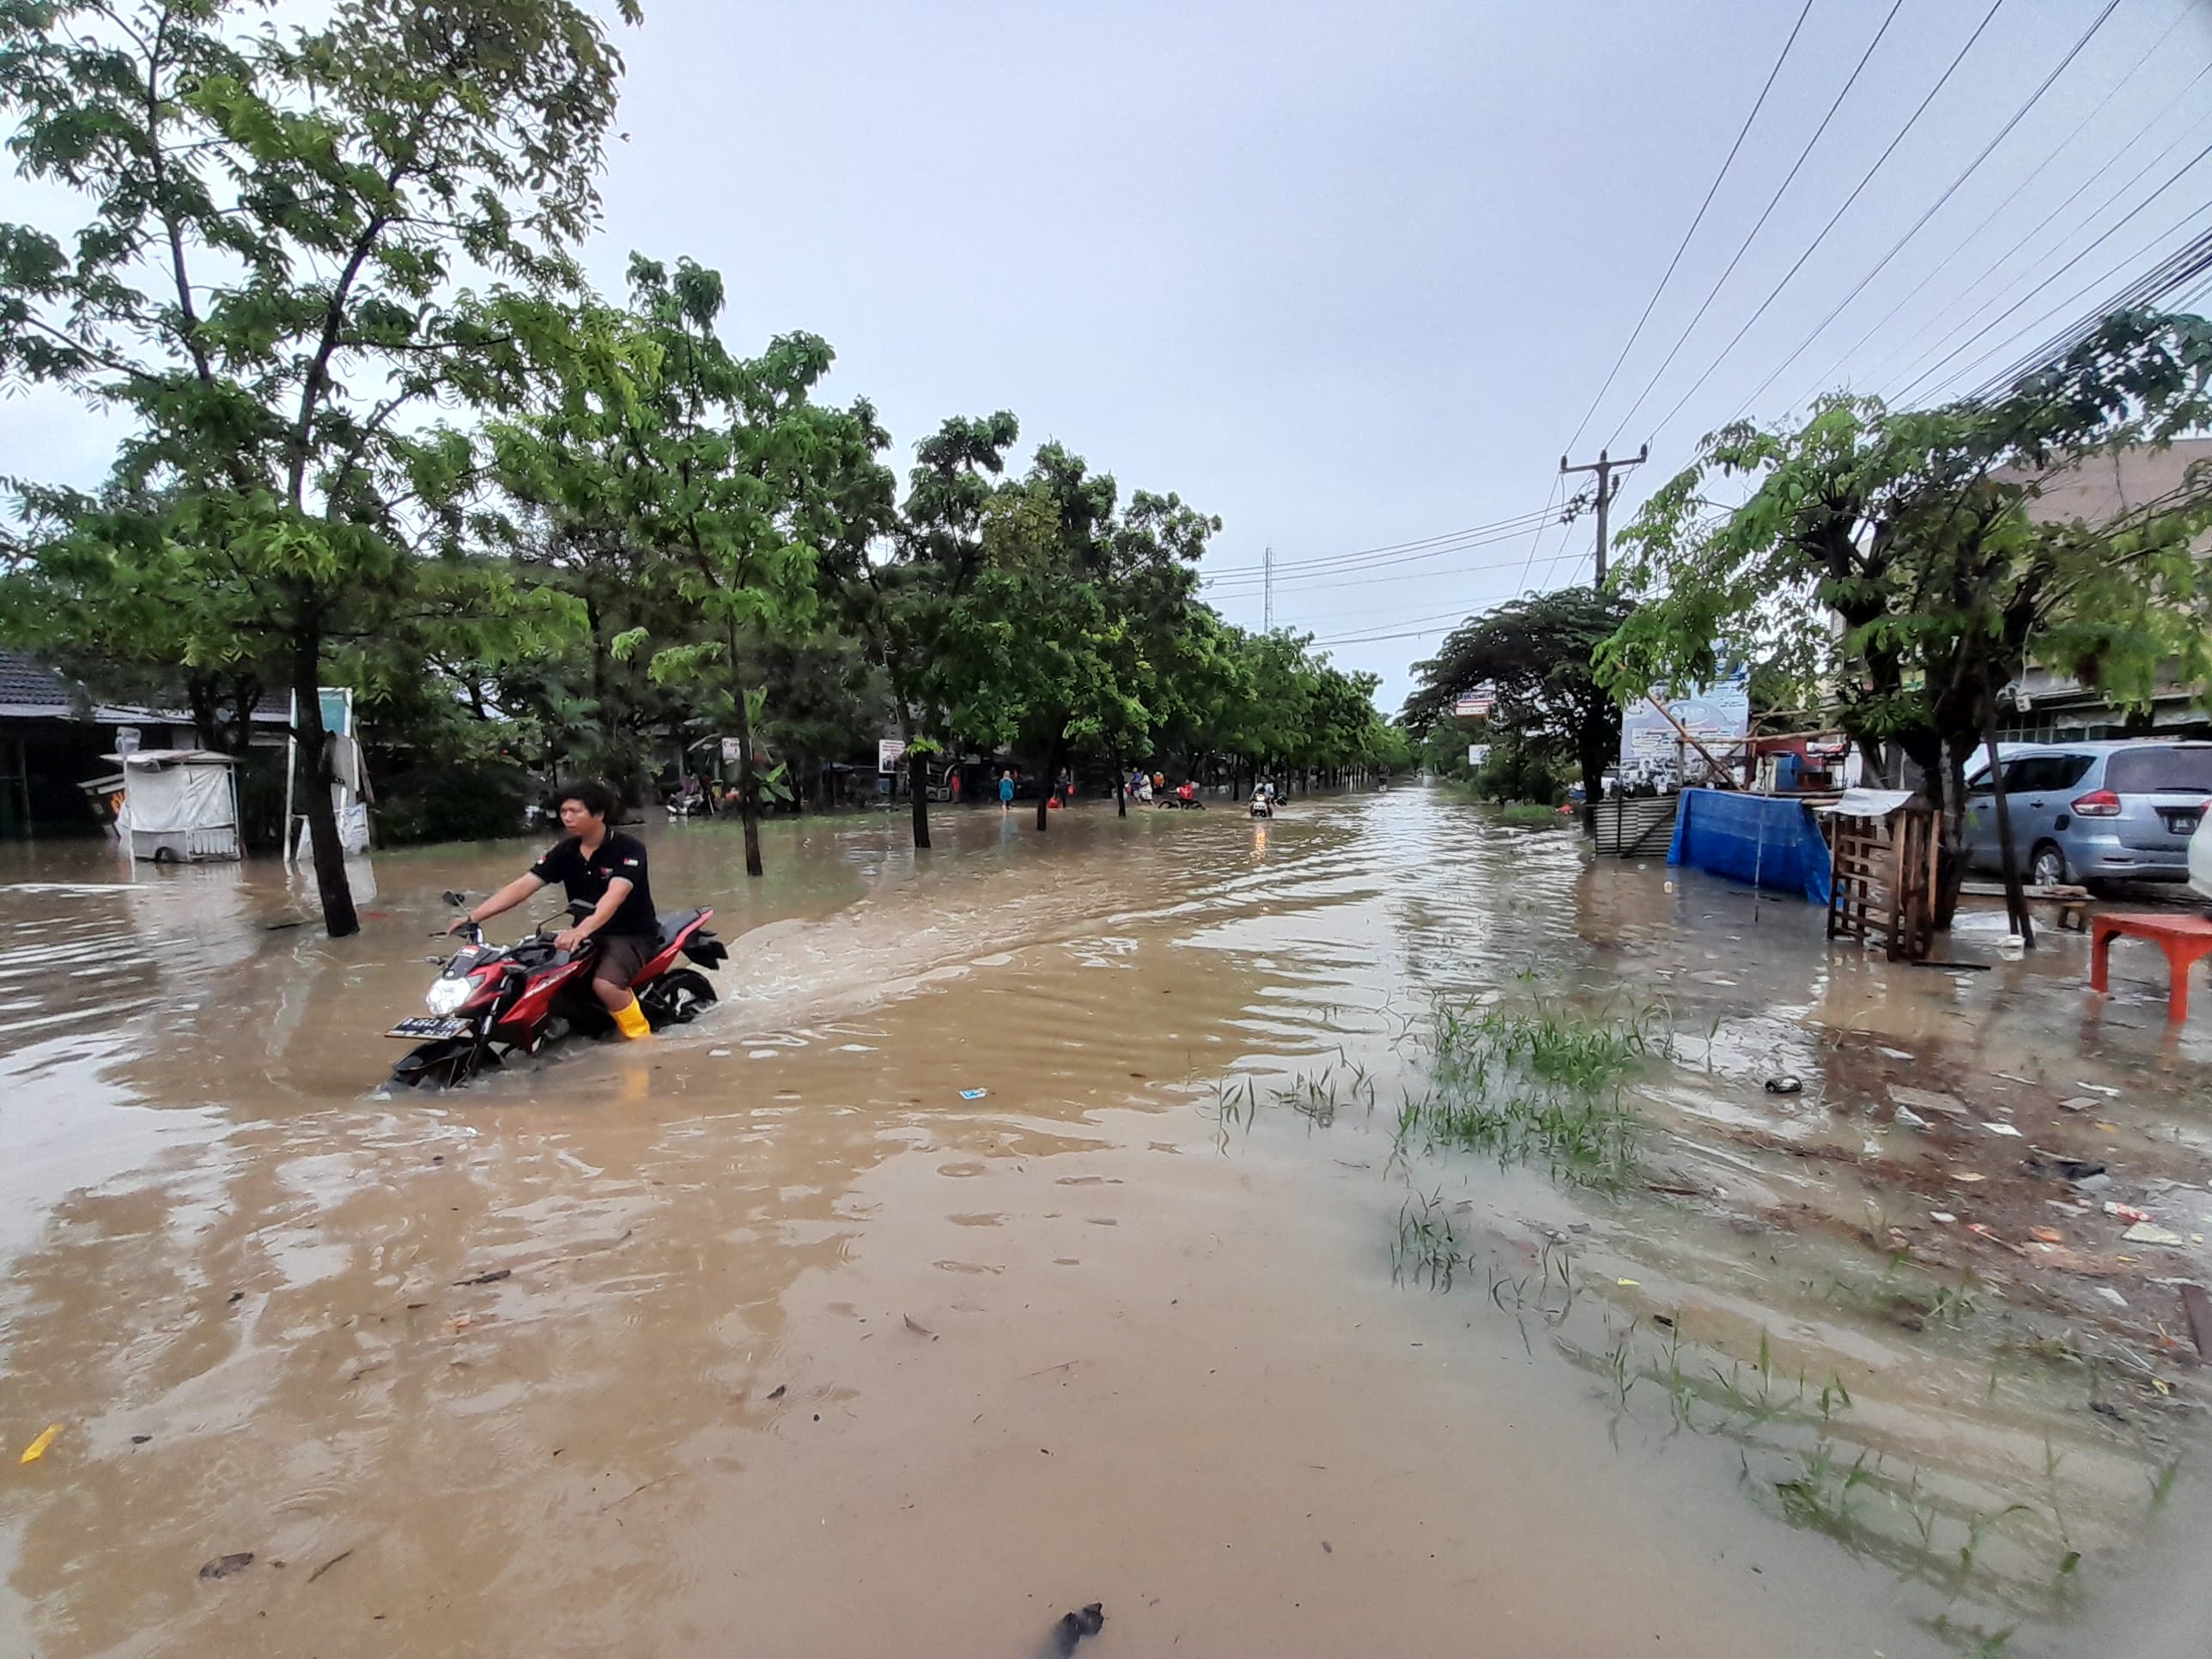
(1352, 277)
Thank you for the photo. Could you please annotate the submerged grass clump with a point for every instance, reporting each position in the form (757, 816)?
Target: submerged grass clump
(1534, 1085)
(1550, 1043)
(1526, 815)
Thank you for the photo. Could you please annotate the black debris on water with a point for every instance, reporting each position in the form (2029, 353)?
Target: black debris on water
(1074, 1627)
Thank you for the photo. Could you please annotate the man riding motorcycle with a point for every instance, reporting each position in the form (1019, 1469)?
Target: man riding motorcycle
(606, 870)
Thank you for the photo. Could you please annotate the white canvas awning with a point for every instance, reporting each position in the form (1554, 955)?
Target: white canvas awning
(173, 757)
(1867, 803)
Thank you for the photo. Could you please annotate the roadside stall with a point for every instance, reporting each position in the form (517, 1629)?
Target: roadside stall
(1882, 871)
(178, 805)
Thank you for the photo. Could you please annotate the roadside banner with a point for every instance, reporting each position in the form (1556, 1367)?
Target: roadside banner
(1708, 713)
(890, 751)
(1475, 703)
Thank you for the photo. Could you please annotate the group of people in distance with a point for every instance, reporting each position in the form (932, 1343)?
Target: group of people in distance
(1150, 789)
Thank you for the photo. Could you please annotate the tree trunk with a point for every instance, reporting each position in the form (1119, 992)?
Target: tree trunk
(917, 775)
(1951, 840)
(1593, 759)
(2015, 899)
(339, 920)
(1120, 782)
(204, 699)
(748, 793)
(1048, 781)
(245, 698)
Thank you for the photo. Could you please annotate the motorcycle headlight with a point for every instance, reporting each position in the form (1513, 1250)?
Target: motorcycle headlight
(447, 994)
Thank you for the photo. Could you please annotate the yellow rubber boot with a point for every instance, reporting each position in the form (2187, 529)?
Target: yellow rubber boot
(631, 1020)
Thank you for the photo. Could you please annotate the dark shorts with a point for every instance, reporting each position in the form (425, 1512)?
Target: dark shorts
(621, 957)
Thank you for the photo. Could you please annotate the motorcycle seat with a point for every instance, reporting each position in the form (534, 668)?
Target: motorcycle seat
(673, 922)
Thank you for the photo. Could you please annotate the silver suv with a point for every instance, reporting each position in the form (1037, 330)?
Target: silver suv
(2121, 811)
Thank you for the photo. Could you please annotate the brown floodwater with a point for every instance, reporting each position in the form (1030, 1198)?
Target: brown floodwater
(798, 1351)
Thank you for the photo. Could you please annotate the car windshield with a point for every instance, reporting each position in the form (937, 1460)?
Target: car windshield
(2161, 769)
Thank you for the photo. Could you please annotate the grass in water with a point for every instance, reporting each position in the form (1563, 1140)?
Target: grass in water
(1526, 815)
(1534, 1085)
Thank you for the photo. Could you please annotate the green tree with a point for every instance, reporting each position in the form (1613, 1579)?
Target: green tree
(720, 472)
(901, 606)
(264, 294)
(1885, 563)
(1067, 623)
(1537, 652)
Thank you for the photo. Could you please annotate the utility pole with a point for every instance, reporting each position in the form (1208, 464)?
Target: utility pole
(1604, 467)
(1268, 589)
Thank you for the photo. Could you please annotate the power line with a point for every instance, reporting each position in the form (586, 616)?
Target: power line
(1666, 276)
(1552, 564)
(1519, 519)
(1445, 621)
(2004, 260)
(1305, 569)
(1988, 17)
(1950, 189)
(1943, 265)
(1906, 392)
(2174, 271)
(1537, 534)
(1753, 234)
(1506, 563)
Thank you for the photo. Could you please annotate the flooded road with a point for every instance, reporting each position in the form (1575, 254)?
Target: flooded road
(1374, 1233)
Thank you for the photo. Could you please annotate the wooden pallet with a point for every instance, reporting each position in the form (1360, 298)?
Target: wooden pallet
(1881, 882)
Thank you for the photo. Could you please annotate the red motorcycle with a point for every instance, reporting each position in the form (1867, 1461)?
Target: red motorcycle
(490, 1002)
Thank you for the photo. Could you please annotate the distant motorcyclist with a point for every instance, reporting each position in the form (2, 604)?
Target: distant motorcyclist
(606, 870)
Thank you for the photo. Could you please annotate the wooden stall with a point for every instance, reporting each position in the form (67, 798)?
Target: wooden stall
(1881, 886)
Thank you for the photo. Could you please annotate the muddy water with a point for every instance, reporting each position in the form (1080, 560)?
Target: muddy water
(798, 1351)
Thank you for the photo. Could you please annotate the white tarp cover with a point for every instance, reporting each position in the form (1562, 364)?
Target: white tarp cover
(1867, 803)
(175, 797)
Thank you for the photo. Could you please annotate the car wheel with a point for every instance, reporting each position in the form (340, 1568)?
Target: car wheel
(2048, 866)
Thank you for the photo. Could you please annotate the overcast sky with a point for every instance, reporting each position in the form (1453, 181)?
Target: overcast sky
(1350, 276)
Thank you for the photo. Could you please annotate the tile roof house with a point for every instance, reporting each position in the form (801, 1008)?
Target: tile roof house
(53, 733)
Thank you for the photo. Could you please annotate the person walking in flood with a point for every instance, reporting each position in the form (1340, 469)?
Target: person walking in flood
(1006, 791)
(606, 870)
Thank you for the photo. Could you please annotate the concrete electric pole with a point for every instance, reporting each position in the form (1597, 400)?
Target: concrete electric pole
(1604, 467)
(1267, 590)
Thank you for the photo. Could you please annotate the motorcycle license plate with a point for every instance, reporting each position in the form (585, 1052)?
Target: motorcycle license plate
(429, 1028)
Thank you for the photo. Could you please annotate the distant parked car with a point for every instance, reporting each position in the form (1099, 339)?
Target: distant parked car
(2123, 810)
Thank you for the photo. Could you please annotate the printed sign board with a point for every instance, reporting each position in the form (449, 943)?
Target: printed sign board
(1476, 703)
(890, 751)
(1708, 713)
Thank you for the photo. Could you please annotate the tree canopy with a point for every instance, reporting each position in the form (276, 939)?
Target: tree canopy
(263, 291)
(377, 432)
(1892, 565)
(1536, 654)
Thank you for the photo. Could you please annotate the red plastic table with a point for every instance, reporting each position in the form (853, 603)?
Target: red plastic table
(2185, 940)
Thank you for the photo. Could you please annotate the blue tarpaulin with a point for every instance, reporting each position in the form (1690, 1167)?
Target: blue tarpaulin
(1771, 839)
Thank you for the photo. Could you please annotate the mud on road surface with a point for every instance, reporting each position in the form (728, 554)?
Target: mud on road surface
(1374, 1232)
